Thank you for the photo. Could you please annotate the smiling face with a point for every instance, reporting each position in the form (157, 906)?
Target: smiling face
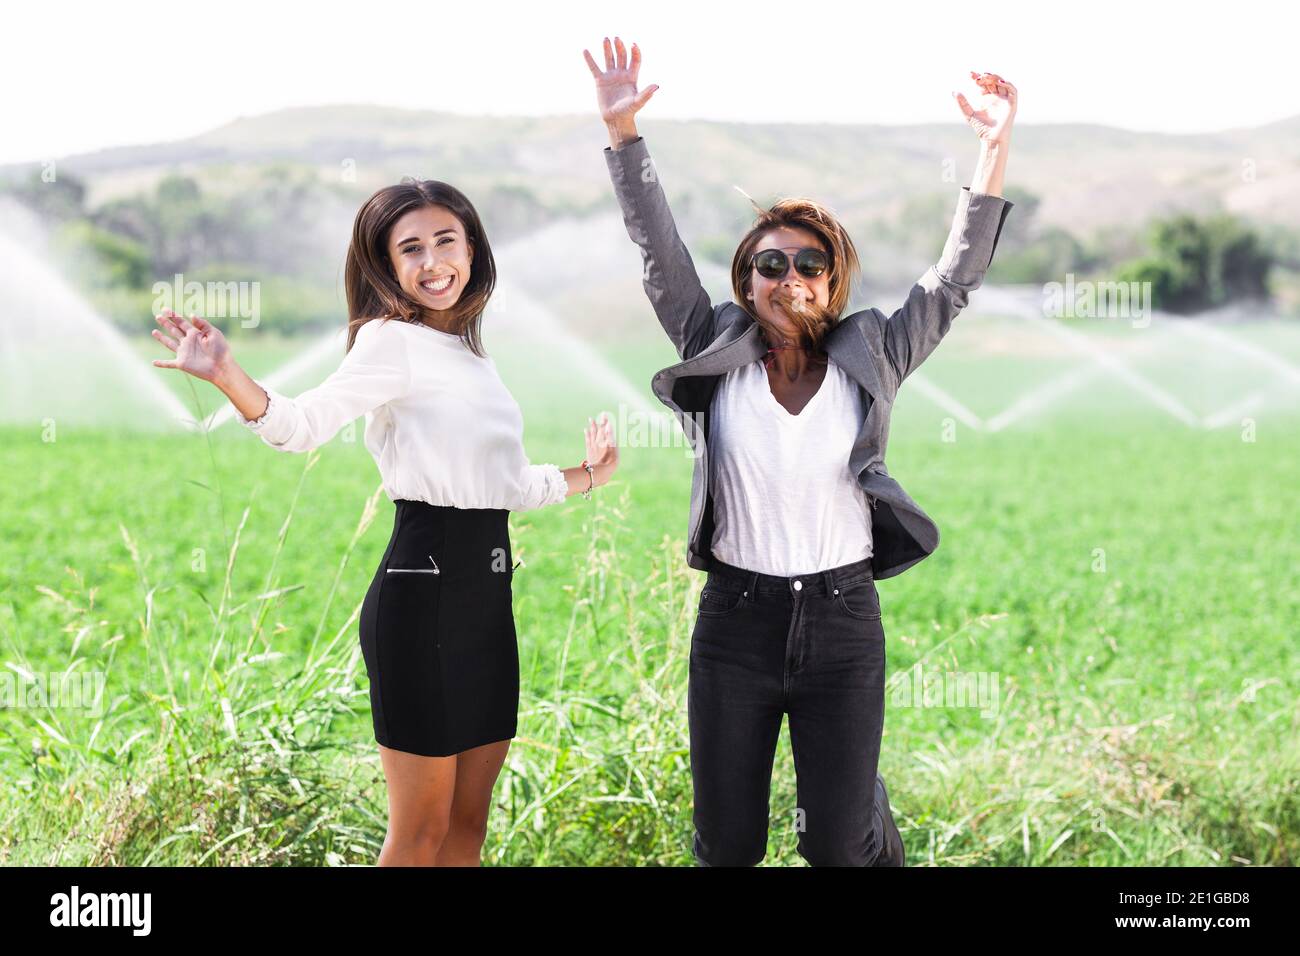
(431, 256)
(789, 239)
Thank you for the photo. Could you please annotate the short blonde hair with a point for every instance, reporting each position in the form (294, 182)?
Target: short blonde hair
(821, 222)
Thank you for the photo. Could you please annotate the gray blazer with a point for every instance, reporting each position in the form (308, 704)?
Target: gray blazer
(875, 350)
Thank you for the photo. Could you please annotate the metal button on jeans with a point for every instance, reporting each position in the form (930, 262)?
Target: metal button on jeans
(798, 585)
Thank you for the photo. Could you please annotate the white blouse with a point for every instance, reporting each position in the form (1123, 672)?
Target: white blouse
(440, 423)
(785, 501)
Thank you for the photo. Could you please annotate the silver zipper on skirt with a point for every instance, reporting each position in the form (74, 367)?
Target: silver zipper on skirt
(432, 570)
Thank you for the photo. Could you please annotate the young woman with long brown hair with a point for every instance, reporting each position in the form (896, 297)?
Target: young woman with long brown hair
(793, 513)
(437, 629)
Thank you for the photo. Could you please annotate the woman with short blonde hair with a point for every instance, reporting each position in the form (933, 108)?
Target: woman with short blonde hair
(793, 513)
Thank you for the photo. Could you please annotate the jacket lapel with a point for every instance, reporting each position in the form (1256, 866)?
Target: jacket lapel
(851, 351)
(736, 347)
(741, 344)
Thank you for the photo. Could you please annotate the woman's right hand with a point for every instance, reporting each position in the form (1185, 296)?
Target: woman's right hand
(200, 347)
(616, 92)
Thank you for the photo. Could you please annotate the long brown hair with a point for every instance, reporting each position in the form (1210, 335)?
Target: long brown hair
(371, 283)
(844, 268)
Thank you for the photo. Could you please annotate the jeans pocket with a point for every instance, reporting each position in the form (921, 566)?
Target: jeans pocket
(719, 602)
(860, 600)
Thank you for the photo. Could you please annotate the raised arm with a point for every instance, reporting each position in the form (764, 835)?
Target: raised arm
(373, 372)
(915, 329)
(678, 297)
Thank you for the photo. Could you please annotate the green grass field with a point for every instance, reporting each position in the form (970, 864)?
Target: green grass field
(1125, 582)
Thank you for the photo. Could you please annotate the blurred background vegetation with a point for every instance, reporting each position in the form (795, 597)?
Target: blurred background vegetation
(1112, 497)
(270, 199)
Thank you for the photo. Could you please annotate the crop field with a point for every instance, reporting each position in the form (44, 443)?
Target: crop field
(1096, 667)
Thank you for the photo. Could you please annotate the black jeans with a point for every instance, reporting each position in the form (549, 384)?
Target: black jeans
(812, 647)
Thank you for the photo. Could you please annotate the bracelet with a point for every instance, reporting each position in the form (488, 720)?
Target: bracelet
(591, 478)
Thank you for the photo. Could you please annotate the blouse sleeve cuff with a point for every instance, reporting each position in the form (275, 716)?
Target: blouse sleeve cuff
(557, 486)
(256, 423)
(266, 426)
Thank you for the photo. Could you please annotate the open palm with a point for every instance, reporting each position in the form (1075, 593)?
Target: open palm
(200, 347)
(994, 110)
(616, 92)
(601, 447)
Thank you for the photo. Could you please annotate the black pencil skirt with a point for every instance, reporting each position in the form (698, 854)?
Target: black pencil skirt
(438, 632)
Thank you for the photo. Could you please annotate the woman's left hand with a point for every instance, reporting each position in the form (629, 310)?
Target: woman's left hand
(602, 453)
(995, 108)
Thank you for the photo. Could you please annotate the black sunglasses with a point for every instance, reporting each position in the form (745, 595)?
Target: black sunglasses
(774, 264)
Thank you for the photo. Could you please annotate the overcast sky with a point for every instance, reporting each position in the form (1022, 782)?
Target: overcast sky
(81, 76)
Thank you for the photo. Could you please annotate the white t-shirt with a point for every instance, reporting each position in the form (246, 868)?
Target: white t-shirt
(784, 499)
(440, 423)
